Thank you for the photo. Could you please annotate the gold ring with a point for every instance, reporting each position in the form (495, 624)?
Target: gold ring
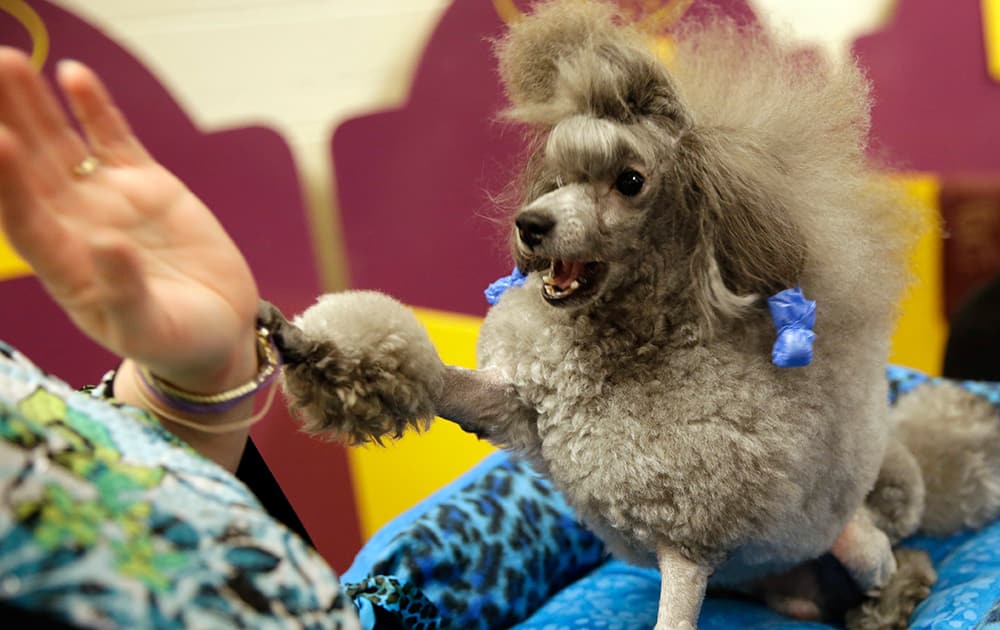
(87, 166)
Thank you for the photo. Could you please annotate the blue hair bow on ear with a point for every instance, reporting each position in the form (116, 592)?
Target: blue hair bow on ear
(496, 289)
(794, 317)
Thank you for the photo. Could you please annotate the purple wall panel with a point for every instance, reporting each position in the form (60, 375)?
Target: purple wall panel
(936, 108)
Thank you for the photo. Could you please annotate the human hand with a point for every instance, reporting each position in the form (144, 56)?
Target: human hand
(134, 258)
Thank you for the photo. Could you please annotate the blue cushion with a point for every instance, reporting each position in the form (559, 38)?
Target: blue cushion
(500, 548)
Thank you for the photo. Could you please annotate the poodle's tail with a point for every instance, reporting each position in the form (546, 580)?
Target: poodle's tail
(952, 437)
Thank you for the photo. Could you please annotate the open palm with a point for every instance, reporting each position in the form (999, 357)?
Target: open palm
(135, 259)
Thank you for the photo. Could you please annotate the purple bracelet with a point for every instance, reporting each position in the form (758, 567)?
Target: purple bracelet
(178, 399)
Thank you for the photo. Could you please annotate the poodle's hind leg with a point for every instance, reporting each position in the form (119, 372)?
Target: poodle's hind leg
(816, 590)
(896, 503)
(682, 589)
(892, 607)
(821, 590)
(865, 552)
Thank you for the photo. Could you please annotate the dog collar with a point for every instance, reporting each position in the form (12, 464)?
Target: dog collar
(794, 317)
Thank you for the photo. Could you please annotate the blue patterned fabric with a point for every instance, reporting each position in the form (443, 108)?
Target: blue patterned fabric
(488, 550)
(903, 380)
(108, 520)
(500, 548)
(618, 596)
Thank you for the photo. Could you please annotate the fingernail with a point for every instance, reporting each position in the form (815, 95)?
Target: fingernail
(67, 65)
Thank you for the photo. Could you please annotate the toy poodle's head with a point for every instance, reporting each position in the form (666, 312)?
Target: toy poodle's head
(625, 190)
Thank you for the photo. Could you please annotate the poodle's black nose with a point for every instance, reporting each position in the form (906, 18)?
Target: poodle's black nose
(533, 225)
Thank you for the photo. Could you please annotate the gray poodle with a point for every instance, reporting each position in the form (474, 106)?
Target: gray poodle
(662, 205)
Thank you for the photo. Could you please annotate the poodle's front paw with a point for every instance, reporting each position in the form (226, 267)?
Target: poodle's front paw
(365, 368)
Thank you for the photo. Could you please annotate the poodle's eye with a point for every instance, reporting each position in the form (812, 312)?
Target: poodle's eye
(629, 183)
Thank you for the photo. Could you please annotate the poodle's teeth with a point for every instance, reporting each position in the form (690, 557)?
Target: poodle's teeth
(574, 286)
(547, 279)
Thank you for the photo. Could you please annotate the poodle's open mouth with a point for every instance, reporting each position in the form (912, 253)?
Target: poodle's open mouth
(569, 282)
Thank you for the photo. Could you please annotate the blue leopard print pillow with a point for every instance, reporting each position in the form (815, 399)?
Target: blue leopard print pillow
(488, 550)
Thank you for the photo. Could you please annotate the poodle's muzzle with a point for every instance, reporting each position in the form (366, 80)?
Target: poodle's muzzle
(554, 246)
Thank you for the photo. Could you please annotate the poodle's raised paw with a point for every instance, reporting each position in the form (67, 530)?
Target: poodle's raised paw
(366, 369)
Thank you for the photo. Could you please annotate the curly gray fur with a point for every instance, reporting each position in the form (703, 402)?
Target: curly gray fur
(651, 401)
(361, 368)
(892, 608)
(898, 500)
(820, 590)
(755, 180)
(954, 436)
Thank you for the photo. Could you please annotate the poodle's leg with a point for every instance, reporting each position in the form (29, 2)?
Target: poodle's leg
(682, 589)
(816, 590)
(865, 552)
(954, 435)
(896, 503)
(481, 402)
(892, 608)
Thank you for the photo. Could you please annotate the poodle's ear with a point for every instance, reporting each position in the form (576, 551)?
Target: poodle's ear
(572, 56)
(745, 246)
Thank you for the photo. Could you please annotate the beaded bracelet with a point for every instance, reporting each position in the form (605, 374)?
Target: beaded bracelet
(174, 397)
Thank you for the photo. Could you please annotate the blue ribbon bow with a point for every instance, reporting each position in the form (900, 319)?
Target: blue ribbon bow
(794, 317)
(496, 289)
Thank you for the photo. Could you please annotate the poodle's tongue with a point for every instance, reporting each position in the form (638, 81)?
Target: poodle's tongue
(564, 273)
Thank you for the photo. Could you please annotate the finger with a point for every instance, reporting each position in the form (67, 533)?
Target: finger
(34, 232)
(29, 108)
(105, 126)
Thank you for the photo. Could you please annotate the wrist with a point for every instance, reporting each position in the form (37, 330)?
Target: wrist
(207, 376)
(175, 397)
(209, 434)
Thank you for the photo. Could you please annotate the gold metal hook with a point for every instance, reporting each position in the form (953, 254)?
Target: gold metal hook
(33, 23)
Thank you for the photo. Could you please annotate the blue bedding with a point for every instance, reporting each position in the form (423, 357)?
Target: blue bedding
(500, 548)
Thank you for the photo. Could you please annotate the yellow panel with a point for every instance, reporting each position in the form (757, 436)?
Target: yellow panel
(390, 480)
(991, 33)
(922, 331)
(11, 265)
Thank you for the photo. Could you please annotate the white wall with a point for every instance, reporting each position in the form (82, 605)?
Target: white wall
(302, 66)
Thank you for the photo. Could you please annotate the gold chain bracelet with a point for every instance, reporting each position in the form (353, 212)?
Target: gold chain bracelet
(268, 359)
